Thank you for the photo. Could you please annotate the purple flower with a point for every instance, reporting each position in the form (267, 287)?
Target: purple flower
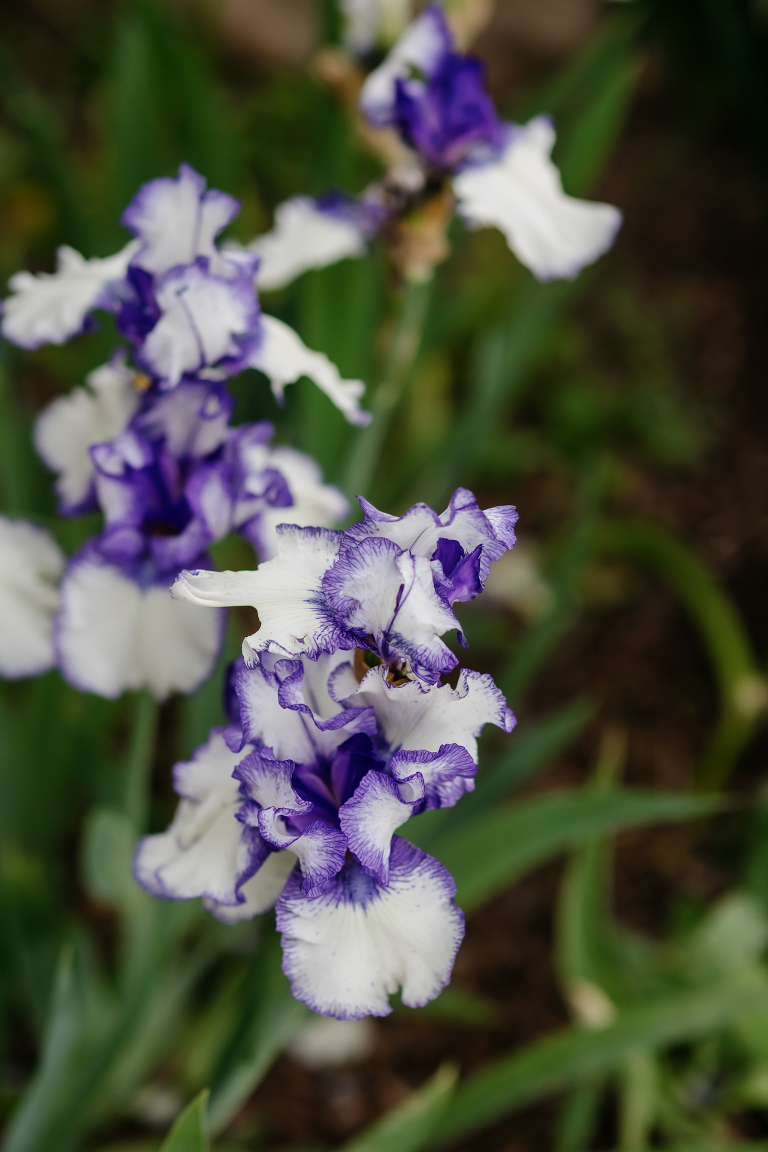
(328, 769)
(387, 584)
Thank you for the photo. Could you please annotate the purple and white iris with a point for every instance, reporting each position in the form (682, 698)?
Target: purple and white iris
(387, 584)
(188, 307)
(297, 802)
(175, 479)
(501, 174)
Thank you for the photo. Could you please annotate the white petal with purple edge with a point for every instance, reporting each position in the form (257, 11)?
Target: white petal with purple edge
(70, 425)
(114, 635)
(284, 358)
(49, 307)
(419, 49)
(30, 565)
(268, 781)
(314, 503)
(261, 891)
(346, 951)
(320, 849)
(553, 234)
(202, 316)
(379, 806)
(447, 774)
(378, 589)
(285, 591)
(176, 220)
(304, 236)
(413, 716)
(205, 851)
(192, 419)
(419, 529)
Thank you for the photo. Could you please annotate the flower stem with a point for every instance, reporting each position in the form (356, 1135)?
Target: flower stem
(394, 379)
(140, 756)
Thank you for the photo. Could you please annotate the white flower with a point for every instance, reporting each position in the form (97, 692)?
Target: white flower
(49, 307)
(284, 358)
(66, 430)
(30, 565)
(553, 234)
(304, 236)
(113, 635)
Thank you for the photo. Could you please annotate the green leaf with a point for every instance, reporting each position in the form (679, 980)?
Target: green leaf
(190, 1132)
(410, 1126)
(490, 852)
(268, 1020)
(572, 1057)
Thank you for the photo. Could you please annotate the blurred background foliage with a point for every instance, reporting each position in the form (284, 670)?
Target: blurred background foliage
(612, 991)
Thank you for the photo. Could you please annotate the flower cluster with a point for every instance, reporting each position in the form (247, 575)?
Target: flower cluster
(297, 801)
(453, 151)
(149, 443)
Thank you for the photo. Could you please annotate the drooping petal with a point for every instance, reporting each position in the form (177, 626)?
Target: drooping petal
(260, 893)
(114, 635)
(66, 430)
(205, 851)
(30, 565)
(419, 49)
(346, 951)
(379, 590)
(553, 234)
(177, 220)
(206, 321)
(447, 773)
(379, 806)
(49, 307)
(413, 716)
(284, 358)
(286, 592)
(304, 236)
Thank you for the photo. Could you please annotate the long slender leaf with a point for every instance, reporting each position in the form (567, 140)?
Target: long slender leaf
(190, 1132)
(490, 852)
(409, 1126)
(573, 1057)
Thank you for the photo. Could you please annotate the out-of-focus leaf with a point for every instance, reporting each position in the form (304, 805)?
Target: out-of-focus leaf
(743, 686)
(490, 852)
(410, 1126)
(461, 1007)
(269, 1018)
(190, 1132)
(573, 1057)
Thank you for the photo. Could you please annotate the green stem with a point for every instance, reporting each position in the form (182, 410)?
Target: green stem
(743, 688)
(394, 380)
(140, 757)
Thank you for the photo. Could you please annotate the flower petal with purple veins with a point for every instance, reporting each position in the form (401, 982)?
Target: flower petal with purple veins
(521, 194)
(206, 321)
(321, 850)
(267, 782)
(177, 220)
(346, 951)
(379, 806)
(420, 49)
(50, 307)
(447, 774)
